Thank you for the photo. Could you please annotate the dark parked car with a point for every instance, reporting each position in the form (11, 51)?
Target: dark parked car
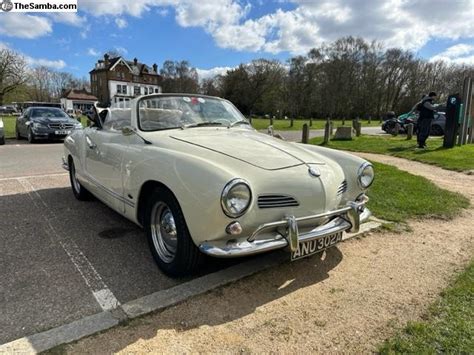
(44, 123)
(7, 110)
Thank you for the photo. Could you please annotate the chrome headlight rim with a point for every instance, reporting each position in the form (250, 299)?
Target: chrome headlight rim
(225, 193)
(360, 173)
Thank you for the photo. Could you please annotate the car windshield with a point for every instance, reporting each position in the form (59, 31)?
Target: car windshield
(167, 112)
(48, 112)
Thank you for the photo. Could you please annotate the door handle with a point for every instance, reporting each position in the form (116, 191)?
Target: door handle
(90, 143)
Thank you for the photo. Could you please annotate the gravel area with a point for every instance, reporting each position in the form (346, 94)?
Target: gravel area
(347, 300)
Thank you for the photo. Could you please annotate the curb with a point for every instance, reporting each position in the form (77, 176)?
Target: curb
(154, 302)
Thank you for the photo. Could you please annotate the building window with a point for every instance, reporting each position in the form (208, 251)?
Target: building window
(119, 89)
(118, 75)
(150, 90)
(135, 78)
(122, 75)
(136, 90)
(157, 91)
(145, 91)
(124, 89)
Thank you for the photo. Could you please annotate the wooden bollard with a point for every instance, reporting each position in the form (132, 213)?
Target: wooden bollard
(291, 122)
(410, 128)
(358, 128)
(311, 122)
(271, 120)
(305, 137)
(327, 132)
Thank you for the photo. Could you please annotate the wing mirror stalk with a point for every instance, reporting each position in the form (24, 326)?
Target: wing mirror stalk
(128, 131)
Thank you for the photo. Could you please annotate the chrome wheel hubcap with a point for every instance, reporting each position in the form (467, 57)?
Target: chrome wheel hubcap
(163, 232)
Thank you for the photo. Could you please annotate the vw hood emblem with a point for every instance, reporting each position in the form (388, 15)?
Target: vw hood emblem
(314, 172)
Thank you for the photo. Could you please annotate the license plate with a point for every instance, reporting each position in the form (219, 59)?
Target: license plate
(314, 246)
(62, 133)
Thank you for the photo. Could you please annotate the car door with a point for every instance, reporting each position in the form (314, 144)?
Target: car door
(105, 149)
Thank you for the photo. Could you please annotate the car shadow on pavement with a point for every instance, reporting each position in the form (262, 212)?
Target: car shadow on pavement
(226, 304)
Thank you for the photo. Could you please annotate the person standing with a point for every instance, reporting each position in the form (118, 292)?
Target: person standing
(426, 116)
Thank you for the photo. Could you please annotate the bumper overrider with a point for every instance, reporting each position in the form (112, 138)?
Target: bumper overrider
(284, 233)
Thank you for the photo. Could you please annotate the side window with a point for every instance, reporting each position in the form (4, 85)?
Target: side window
(117, 119)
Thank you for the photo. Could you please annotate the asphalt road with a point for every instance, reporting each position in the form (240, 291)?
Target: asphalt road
(62, 259)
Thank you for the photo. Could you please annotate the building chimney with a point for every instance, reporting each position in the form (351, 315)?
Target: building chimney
(106, 59)
(155, 68)
(135, 61)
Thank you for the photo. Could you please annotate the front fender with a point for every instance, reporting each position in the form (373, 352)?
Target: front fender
(197, 184)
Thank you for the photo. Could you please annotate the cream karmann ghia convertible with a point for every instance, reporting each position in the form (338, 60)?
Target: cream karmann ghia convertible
(200, 180)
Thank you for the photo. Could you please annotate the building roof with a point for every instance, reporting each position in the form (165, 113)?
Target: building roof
(79, 94)
(136, 67)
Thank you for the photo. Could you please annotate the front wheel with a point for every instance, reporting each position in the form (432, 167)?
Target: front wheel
(79, 191)
(31, 136)
(170, 242)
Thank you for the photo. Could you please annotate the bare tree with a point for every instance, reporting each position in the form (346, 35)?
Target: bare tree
(13, 72)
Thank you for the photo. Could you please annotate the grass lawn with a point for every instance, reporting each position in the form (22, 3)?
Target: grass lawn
(457, 158)
(417, 197)
(9, 126)
(284, 125)
(449, 327)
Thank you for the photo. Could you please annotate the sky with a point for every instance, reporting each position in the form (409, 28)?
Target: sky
(215, 35)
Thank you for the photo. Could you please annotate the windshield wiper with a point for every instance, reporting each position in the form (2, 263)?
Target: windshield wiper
(238, 122)
(202, 124)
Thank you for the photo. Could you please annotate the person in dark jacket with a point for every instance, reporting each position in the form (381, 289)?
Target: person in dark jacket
(426, 116)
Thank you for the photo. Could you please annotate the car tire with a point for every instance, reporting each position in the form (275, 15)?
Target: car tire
(2, 140)
(168, 236)
(436, 130)
(80, 192)
(31, 136)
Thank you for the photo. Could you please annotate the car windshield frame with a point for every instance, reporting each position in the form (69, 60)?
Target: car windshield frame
(51, 109)
(188, 100)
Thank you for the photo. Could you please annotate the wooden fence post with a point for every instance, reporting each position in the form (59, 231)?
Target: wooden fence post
(291, 121)
(271, 120)
(410, 127)
(305, 137)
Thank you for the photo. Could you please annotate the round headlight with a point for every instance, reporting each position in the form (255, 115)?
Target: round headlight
(236, 198)
(366, 175)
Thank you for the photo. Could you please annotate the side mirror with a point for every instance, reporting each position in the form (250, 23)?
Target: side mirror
(128, 131)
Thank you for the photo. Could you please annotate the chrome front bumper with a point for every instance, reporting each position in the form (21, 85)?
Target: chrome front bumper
(346, 219)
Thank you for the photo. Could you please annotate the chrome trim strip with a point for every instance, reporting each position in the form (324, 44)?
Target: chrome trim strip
(110, 192)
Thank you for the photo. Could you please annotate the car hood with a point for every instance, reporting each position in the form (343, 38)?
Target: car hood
(249, 146)
(46, 120)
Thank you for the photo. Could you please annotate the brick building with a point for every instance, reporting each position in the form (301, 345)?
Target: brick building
(115, 81)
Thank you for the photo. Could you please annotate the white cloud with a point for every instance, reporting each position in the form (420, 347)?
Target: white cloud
(121, 23)
(458, 54)
(210, 73)
(24, 26)
(400, 23)
(121, 50)
(92, 52)
(54, 64)
(68, 18)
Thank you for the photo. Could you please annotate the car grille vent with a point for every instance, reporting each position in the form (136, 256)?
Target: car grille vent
(276, 201)
(61, 125)
(342, 188)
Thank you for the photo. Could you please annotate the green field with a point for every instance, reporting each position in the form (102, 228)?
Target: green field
(418, 198)
(284, 125)
(448, 327)
(457, 158)
(9, 126)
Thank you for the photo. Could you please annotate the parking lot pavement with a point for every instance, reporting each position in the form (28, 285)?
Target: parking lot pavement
(19, 158)
(62, 259)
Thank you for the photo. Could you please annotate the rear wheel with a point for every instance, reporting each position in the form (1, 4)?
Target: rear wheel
(79, 191)
(168, 237)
